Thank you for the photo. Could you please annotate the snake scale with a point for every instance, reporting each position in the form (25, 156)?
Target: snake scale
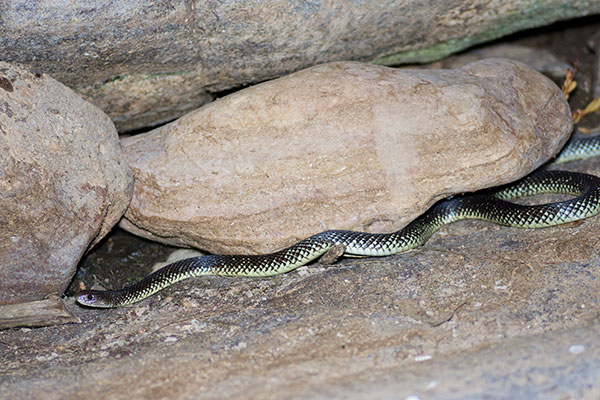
(488, 205)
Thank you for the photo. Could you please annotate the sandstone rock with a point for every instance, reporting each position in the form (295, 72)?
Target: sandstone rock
(339, 146)
(63, 183)
(146, 61)
(540, 60)
(50, 311)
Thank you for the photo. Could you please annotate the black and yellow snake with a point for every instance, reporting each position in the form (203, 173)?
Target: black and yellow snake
(488, 205)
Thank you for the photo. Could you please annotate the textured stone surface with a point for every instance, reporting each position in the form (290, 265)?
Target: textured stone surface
(538, 59)
(480, 311)
(63, 183)
(146, 61)
(339, 146)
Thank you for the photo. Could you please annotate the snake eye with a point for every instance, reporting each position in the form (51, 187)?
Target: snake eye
(87, 299)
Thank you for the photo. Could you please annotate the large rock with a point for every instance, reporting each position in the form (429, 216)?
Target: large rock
(339, 146)
(147, 61)
(63, 183)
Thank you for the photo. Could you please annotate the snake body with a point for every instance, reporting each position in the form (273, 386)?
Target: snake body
(578, 148)
(489, 206)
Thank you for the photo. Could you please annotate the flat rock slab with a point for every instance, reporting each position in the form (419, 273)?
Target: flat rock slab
(148, 61)
(35, 313)
(339, 146)
(63, 183)
(478, 311)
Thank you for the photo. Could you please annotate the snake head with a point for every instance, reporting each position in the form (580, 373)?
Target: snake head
(93, 298)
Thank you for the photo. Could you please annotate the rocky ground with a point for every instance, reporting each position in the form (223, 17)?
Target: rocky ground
(479, 311)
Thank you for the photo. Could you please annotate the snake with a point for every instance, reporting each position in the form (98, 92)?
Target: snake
(492, 205)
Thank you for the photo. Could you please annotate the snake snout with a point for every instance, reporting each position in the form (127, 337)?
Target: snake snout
(87, 298)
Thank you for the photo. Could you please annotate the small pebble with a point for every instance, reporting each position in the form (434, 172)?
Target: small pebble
(240, 346)
(424, 357)
(576, 349)
(188, 304)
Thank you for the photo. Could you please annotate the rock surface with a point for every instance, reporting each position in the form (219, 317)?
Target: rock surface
(480, 311)
(63, 183)
(339, 146)
(538, 59)
(147, 61)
